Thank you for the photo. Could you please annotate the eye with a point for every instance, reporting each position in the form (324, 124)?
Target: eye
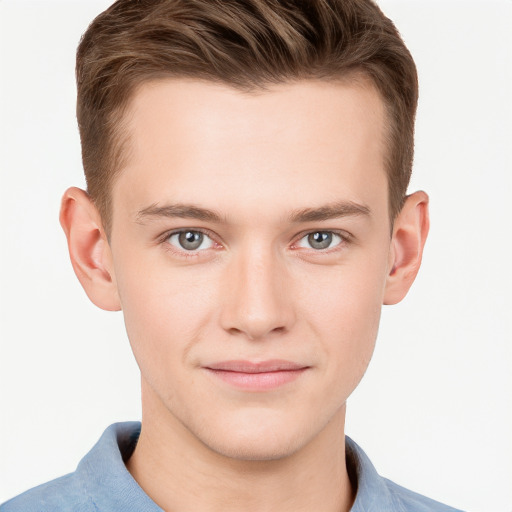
(190, 240)
(320, 240)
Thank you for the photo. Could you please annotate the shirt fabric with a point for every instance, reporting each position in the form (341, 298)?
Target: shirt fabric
(101, 483)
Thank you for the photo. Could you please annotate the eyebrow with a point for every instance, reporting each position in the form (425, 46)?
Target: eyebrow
(330, 211)
(189, 211)
(183, 211)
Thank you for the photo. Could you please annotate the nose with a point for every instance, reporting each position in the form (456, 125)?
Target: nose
(256, 297)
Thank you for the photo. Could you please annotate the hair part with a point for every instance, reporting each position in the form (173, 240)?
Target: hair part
(245, 44)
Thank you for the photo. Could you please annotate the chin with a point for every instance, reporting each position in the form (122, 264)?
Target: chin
(262, 448)
(263, 439)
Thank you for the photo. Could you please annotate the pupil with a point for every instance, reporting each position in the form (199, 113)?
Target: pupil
(320, 240)
(190, 240)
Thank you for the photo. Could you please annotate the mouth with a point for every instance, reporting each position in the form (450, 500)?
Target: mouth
(260, 376)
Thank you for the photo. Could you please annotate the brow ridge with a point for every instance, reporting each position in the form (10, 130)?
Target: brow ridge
(180, 210)
(188, 211)
(330, 211)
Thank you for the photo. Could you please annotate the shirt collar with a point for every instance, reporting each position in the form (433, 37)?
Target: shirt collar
(103, 474)
(373, 494)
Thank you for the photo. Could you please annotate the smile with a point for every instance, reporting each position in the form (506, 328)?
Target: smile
(263, 376)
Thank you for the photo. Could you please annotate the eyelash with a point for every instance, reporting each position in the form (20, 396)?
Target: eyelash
(345, 237)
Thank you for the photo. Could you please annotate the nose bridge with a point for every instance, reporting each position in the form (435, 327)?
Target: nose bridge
(257, 302)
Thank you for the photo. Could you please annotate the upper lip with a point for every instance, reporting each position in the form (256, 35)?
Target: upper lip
(274, 365)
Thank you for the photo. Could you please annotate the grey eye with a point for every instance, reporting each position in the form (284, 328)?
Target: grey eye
(320, 240)
(190, 240)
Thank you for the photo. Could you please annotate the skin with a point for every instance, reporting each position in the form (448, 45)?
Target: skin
(271, 168)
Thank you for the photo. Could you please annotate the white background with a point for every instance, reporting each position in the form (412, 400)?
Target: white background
(434, 410)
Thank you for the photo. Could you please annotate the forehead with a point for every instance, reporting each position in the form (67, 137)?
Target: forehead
(300, 142)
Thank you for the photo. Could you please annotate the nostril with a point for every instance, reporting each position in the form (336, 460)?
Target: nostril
(254, 334)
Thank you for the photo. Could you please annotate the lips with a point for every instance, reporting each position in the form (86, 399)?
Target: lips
(260, 376)
(275, 365)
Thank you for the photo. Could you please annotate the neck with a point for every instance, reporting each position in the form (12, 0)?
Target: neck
(171, 465)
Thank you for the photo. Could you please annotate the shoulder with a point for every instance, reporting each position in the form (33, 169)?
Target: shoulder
(62, 494)
(100, 482)
(406, 500)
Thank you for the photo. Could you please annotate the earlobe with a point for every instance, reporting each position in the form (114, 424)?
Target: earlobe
(89, 249)
(409, 235)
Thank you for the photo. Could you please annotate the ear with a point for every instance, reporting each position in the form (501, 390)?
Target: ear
(89, 249)
(410, 231)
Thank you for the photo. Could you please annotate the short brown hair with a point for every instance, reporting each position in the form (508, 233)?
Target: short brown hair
(247, 44)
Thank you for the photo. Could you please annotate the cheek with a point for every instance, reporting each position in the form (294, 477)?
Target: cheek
(164, 312)
(349, 322)
(348, 294)
(344, 313)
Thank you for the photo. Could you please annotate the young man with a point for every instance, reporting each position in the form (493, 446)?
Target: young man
(247, 165)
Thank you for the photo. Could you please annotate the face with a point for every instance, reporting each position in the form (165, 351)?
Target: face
(250, 247)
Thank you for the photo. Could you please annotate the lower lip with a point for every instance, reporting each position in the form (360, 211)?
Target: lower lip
(263, 381)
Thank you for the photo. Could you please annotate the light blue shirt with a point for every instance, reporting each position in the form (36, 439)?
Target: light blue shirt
(101, 483)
